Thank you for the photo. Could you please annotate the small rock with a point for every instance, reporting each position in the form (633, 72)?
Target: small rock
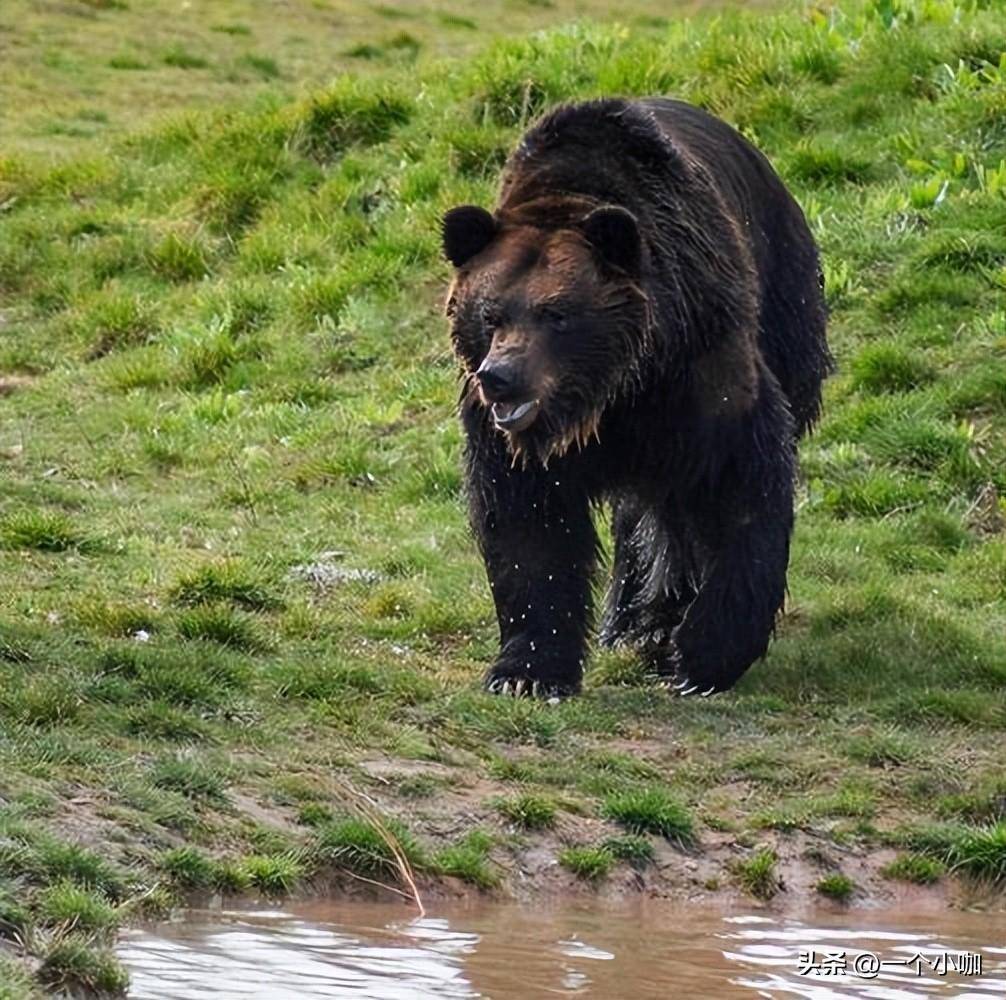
(326, 574)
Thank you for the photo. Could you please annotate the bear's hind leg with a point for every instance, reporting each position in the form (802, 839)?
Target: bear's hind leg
(729, 624)
(622, 603)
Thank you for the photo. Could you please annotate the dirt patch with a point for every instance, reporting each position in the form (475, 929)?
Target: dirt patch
(9, 384)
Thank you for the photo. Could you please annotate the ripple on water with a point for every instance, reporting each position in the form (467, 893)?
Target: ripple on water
(639, 950)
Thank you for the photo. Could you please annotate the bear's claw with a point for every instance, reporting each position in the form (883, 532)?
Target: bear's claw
(519, 687)
(686, 687)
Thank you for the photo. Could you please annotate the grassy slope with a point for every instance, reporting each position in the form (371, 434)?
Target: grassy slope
(222, 359)
(83, 71)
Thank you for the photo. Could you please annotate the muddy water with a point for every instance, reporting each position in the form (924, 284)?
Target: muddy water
(638, 950)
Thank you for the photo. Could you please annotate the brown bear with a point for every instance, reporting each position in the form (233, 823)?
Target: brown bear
(640, 323)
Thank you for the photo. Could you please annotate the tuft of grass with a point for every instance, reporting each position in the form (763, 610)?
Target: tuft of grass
(980, 851)
(590, 863)
(264, 66)
(349, 114)
(118, 620)
(222, 624)
(314, 814)
(74, 965)
(529, 810)
(231, 876)
(190, 777)
(889, 368)
(469, 860)
(15, 918)
(77, 863)
(836, 886)
(188, 868)
(158, 720)
(233, 582)
(115, 321)
(181, 58)
(883, 748)
(41, 702)
(42, 530)
(76, 907)
(915, 868)
(179, 258)
(274, 874)
(638, 851)
(16, 983)
(651, 810)
(757, 874)
(360, 846)
(984, 804)
(818, 163)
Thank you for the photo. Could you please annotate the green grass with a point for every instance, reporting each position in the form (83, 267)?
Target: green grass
(235, 552)
(589, 863)
(529, 810)
(980, 851)
(637, 850)
(915, 868)
(469, 861)
(360, 846)
(93, 71)
(246, 587)
(16, 983)
(39, 529)
(651, 810)
(277, 874)
(66, 903)
(191, 778)
(74, 963)
(757, 874)
(836, 886)
(188, 868)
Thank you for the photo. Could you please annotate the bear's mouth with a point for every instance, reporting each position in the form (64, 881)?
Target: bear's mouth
(515, 417)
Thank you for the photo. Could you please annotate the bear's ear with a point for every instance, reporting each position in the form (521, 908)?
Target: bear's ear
(467, 229)
(612, 231)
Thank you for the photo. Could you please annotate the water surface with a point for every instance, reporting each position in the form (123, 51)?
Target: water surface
(639, 950)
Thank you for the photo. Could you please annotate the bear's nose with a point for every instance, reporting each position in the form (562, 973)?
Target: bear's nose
(497, 379)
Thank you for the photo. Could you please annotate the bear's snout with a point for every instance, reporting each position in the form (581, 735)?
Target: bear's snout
(499, 380)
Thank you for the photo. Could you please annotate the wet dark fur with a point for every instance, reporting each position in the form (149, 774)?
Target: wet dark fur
(694, 378)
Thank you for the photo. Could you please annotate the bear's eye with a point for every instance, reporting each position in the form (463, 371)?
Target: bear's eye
(554, 318)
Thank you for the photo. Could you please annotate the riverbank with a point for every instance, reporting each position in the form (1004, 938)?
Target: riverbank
(242, 620)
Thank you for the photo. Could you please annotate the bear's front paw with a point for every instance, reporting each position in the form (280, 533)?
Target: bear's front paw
(520, 680)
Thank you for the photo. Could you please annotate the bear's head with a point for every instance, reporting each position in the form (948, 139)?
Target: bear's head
(547, 322)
